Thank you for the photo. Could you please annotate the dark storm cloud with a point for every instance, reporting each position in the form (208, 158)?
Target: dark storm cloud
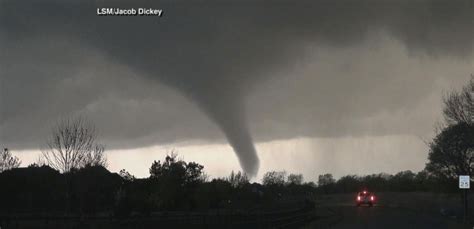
(60, 58)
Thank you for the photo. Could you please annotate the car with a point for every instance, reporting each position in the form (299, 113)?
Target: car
(365, 197)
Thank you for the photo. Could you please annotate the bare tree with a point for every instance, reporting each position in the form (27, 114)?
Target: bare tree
(459, 105)
(73, 145)
(8, 161)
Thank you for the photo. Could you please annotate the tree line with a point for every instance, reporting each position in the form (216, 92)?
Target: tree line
(71, 175)
(404, 181)
(173, 185)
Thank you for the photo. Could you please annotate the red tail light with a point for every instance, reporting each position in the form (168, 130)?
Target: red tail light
(358, 198)
(372, 197)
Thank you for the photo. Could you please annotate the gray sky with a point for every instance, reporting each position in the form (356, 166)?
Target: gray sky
(218, 72)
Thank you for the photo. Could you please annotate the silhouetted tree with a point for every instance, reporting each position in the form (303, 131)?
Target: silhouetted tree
(424, 181)
(452, 152)
(171, 165)
(403, 181)
(177, 169)
(195, 173)
(349, 183)
(73, 144)
(173, 182)
(92, 189)
(310, 184)
(295, 179)
(327, 183)
(8, 161)
(238, 180)
(32, 189)
(459, 105)
(274, 178)
(376, 182)
(126, 175)
(326, 179)
(214, 194)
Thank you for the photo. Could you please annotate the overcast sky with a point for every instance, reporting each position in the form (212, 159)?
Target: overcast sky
(319, 86)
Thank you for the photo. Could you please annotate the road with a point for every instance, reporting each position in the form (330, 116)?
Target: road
(387, 218)
(393, 210)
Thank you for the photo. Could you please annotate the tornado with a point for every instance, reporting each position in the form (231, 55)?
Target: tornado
(229, 115)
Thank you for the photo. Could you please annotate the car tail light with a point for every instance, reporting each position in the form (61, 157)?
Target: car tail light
(358, 198)
(372, 197)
